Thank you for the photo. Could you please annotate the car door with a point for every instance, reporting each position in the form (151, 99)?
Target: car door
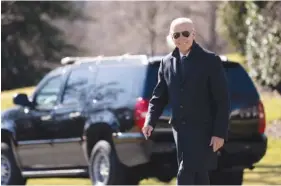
(70, 118)
(35, 130)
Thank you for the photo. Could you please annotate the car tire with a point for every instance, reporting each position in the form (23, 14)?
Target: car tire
(12, 174)
(104, 166)
(234, 177)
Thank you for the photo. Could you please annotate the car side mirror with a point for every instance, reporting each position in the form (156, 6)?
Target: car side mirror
(22, 99)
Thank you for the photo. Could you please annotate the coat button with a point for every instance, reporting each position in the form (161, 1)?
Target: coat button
(181, 106)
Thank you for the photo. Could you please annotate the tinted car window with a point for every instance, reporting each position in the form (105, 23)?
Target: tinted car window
(47, 96)
(151, 79)
(116, 82)
(150, 83)
(239, 83)
(76, 84)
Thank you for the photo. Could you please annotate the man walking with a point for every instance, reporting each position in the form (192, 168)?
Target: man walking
(192, 80)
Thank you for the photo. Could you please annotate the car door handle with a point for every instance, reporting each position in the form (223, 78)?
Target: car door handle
(46, 118)
(74, 114)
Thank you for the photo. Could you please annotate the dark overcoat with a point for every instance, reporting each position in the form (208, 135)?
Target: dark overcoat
(200, 104)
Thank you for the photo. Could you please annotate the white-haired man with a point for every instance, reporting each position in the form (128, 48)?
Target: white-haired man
(193, 81)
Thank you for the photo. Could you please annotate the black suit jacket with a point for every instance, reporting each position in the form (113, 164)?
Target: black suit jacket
(199, 101)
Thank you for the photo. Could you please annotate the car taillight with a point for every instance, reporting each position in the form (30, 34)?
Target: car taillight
(253, 112)
(262, 122)
(141, 109)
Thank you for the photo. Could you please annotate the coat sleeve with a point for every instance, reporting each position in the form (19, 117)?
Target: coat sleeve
(220, 96)
(158, 100)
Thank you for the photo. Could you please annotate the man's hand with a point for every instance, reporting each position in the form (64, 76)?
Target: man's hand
(217, 143)
(147, 130)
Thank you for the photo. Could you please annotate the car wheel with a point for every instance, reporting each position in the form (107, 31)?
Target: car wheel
(10, 172)
(104, 166)
(227, 178)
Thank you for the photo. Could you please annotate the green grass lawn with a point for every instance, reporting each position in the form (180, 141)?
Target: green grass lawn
(272, 107)
(7, 96)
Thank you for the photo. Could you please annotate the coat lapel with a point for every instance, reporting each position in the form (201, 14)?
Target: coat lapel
(175, 61)
(174, 64)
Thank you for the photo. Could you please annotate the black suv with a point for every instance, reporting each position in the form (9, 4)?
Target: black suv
(85, 118)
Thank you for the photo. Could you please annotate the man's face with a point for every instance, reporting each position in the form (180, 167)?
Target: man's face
(183, 36)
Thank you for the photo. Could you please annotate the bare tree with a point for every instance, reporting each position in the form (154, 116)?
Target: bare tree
(212, 44)
(147, 19)
(141, 27)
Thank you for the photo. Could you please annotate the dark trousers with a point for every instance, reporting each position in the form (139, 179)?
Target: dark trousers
(192, 178)
(186, 177)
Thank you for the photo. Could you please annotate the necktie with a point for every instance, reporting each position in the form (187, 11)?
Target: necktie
(183, 63)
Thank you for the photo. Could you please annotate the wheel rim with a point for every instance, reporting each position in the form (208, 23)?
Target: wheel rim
(5, 170)
(100, 169)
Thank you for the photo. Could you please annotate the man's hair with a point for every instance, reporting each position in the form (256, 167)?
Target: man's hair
(175, 22)
(178, 21)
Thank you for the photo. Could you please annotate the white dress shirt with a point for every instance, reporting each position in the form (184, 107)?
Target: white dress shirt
(181, 55)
